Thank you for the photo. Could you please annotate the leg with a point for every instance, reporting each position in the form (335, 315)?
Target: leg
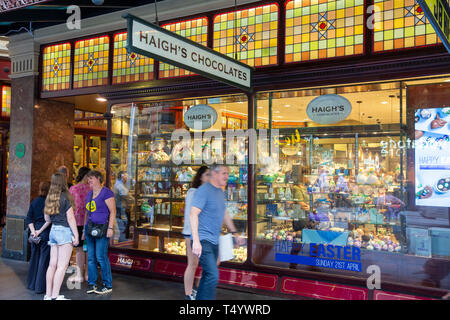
(103, 260)
(33, 267)
(64, 254)
(189, 273)
(51, 269)
(210, 272)
(92, 261)
(44, 258)
(80, 260)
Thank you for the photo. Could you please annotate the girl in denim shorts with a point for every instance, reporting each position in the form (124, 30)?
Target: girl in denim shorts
(59, 210)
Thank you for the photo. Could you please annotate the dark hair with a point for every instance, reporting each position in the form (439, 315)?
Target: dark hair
(44, 186)
(96, 174)
(81, 173)
(197, 182)
(63, 170)
(120, 174)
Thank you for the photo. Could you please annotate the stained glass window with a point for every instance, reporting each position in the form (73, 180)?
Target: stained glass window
(320, 29)
(403, 25)
(249, 35)
(129, 66)
(91, 62)
(6, 101)
(195, 30)
(56, 67)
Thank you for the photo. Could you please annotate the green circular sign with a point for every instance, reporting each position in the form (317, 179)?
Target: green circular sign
(20, 150)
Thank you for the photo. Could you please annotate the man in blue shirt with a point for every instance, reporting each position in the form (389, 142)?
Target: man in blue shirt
(208, 213)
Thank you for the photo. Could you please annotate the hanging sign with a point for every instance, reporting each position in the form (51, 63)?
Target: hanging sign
(438, 13)
(328, 109)
(200, 117)
(158, 43)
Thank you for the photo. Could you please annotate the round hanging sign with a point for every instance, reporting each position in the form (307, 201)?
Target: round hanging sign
(200, 117)
(328, 109)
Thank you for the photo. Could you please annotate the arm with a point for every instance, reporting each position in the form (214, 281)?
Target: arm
(111, 203)
(73, 225)
(29, 221)
(46, 224)
(229, 223)
(196, 246)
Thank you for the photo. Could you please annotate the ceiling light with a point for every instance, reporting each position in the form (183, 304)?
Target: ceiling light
(276, 112)
(260, 107)
(287, 105)
(279, 116)
(384, 102)
(101, 99)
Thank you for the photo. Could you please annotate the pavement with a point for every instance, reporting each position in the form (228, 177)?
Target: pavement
(13, 277)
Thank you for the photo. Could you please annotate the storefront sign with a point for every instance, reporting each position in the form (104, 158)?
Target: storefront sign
(8, 5)
(438, 13)
(155, 42)
(328, 109)
(200, 117)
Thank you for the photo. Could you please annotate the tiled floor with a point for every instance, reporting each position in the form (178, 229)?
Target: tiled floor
(13, 275)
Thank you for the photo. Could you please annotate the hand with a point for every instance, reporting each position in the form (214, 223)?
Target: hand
(239, 241)
(109, 233)
(33, 234)
(75, 241)
(197, 248)
(37, 233)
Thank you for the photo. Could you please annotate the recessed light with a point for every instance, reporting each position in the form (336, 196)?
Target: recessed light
(101, 99)
(260, 107)
(384, 102)
(287, 105)
(276, 111)
(279, 116)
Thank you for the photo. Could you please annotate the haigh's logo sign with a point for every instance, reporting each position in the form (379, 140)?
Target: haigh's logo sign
(329, 109)
(200, 117)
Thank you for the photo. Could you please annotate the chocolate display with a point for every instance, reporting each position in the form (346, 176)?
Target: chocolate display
(425, 193)
(443, 185)
(438, 122)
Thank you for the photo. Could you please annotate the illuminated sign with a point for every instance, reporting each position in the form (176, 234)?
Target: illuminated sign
(8, 5)
(155, 42)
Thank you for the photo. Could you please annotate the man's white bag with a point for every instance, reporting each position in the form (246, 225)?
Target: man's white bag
(226, 247)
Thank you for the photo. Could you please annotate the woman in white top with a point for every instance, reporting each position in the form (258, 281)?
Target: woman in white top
(200, 178)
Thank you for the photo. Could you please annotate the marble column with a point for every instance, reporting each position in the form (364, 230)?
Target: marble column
(41, 140)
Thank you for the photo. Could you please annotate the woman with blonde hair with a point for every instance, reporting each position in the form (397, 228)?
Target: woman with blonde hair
(59, 210)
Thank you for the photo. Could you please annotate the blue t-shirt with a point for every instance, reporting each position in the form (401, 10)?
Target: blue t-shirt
(99, 209)
(211, 201)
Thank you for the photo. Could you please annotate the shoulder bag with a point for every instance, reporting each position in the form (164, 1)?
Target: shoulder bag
(93, 229)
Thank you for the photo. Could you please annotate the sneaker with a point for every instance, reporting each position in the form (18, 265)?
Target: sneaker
(103, 290)
(91, 289)
(46, 297)
(189, 297)
(61, 298)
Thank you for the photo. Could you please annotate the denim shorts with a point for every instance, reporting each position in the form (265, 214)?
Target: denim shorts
(60, 235)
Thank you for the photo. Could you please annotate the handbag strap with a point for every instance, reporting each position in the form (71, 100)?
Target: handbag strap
(90, 203)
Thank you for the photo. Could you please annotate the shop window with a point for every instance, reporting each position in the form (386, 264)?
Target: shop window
(403, 25)
(248, 35)
(142, 148)
(195, 30)
(320, 29)
(91, 62)
(129, 66)
(6, 101)
(56, 67)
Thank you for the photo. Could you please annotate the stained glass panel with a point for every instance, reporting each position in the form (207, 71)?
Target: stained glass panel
(321, 29)
(129, 66)
(56, 67)
(402, 25)
(195, 30)
(249, 35)
(6, 101)
(91, 62)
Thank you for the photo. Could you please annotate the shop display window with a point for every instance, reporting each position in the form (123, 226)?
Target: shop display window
(402, 24)
(323, 29)
(248, 35)
(56, 62)
(195, 30)
(91, 60)
(129, 66)
(6, 101)
(339, 198)
(158, 181)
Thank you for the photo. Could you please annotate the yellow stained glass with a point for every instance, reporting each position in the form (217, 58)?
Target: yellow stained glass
(6, 101)
(56, 67)
(321, 29)
(251, 35)
(400, 24)
(91, 62)
(129, 66)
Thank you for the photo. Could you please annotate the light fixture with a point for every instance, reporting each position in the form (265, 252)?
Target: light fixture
(384, 102)
(276, 111)
(260, 107)
(101, 99)
(287, 105)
